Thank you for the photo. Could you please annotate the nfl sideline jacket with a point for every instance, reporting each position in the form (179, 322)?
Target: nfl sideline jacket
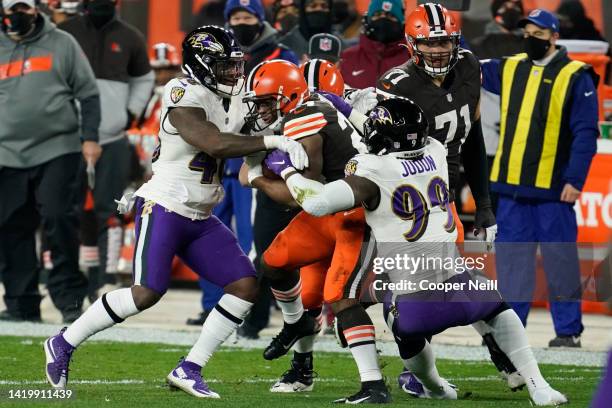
(41, 77)
(118, 55)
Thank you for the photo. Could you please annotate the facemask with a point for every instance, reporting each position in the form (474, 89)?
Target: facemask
(385, 31)
(341, 12)
(101, 12)
(287, 23)
(246, 34)
(510, 19)
(536, 48)
(18, 23)
(319, 22)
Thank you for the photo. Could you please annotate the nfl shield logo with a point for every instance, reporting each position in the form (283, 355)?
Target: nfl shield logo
(449, 97)
(387, 6)
(244, 3)
(325, 44)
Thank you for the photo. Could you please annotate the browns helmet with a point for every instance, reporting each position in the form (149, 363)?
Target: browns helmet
(432, 24)
(322, 75)
(164, 55)
(273, 89)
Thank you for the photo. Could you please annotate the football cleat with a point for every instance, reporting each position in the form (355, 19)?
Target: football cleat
(187, 377)
(413, 387)
(299, 378)
(58, 352)
(547, 397)
(371, 392)
(282, 343)
(514, 380)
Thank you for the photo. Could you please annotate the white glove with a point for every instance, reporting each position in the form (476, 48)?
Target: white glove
(296, 151)
(489, 235)
(363, 100)
(254, 172)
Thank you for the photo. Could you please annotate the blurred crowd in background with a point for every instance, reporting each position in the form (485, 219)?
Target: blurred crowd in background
(130, 77)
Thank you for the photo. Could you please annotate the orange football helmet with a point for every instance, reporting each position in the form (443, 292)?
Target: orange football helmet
(164, 55)
(322, 75)
(432, 24)
(274, 88)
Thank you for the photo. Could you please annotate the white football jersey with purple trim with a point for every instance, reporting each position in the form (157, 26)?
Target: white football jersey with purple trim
(186, 180)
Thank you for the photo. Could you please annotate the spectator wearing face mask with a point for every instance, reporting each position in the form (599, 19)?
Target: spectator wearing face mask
(575, 25)
(502, 36)
(257, 38)
(315, 17)
(347, 22)
(285, 15)
(119, 57)
(381, 45)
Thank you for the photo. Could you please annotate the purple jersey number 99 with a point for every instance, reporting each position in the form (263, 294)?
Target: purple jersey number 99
(410, 205)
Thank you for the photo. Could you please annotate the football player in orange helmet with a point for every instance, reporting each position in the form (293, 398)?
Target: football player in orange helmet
(326, 248)
(322, 75)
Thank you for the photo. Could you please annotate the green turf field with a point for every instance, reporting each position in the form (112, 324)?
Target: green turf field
(106, 374)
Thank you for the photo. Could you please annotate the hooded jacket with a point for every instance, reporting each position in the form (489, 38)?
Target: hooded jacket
(364, 63)
(267, 47)
(41, 78)
(118, 55)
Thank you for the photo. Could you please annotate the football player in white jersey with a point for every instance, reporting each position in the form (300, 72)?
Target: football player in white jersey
(403, 186)
(201, 114)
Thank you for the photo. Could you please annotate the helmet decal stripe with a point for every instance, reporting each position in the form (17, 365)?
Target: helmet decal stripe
(432, 16)
(317, 72)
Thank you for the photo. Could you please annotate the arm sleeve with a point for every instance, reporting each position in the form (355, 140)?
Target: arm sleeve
(474, 157)
(584, 111)
(90, 113)
(81, 79)
(320, 199)
(142, 78)
(491, 75)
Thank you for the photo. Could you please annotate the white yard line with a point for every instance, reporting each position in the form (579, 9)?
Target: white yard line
(324, 343)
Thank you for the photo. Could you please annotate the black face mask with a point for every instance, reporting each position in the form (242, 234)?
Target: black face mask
(101, 12)
(341, 12)
(510, 18)
(287, 23)
(536, 48)
(319, 22)
(246, 34)
(385, 31)
(18, 23)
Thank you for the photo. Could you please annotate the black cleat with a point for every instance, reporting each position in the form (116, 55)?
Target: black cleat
(372, 392)
(280, 345)
(299, 378)
(565, 341)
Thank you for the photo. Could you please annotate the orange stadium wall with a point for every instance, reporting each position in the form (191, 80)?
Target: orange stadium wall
(167, 20)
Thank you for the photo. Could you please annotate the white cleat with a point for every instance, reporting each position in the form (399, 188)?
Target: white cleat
(446, 392)
(186, 376)
(514, 380)
(288, 387)
(547, 397)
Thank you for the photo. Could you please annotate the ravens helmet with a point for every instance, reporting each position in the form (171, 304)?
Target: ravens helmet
(212, 57)
(396, 125)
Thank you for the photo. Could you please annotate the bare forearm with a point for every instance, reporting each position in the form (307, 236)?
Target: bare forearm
(232, 145)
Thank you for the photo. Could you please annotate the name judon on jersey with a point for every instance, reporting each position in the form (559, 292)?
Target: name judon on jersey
(413, 216)
(186, 180)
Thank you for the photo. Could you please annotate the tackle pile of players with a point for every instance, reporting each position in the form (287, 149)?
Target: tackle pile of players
(345, 157)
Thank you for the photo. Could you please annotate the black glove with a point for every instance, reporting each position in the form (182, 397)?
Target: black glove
(484, 215)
